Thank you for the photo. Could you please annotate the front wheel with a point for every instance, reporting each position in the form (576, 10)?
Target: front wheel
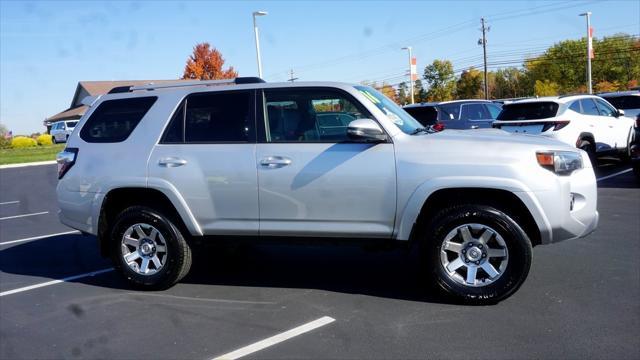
(477, 253)
(149, 249)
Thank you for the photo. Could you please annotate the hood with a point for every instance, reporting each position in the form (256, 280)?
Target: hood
(494, 136)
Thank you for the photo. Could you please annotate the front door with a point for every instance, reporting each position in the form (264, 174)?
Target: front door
(314, 181)
(208, 155)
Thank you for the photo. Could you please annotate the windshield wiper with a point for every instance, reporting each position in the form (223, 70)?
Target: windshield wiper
(419, 130)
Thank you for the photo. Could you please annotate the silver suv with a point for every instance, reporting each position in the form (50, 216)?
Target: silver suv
(153, 168)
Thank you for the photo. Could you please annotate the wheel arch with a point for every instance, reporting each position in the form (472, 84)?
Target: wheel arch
(526, 213)
(118, 199)
(586, 136)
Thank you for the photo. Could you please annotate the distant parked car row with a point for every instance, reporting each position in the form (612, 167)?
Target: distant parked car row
(608, 124)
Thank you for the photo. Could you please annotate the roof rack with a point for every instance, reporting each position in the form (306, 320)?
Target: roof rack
(237, 81)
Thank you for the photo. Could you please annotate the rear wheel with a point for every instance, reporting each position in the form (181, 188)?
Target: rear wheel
(477, 253)
(590, 149)
(149, 249)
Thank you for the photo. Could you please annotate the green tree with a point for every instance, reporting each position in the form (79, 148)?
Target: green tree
(419, 93)
(403, 94)
(440, 79)
(546, 88)
(617, 61)
(469, 85)
(510, 83)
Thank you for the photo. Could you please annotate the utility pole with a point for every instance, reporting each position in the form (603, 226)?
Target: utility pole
(412, 71)
(483, 42)
(589, 49)
(291, 78)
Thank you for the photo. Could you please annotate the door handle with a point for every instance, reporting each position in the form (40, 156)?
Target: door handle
(474, 126)
(171, 162)
(274, 162)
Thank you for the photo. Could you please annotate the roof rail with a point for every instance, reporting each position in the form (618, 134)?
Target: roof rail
(238, 81)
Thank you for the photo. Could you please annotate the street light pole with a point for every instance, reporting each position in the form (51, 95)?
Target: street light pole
(589, 50)
(410, 71)
(255, 31)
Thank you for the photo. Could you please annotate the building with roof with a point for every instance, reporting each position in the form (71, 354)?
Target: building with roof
(94, 88)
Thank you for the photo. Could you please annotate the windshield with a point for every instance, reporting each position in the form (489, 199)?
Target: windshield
(401, 118)
(529, 111)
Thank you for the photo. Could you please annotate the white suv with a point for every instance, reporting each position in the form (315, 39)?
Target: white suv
(587, 122)
(61, 130)
(154, 167)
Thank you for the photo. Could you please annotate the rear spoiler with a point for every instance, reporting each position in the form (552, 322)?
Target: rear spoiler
(90, 100)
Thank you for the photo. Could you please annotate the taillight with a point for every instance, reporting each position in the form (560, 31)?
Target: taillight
(556, 125)
(438, 126)
(65, 159)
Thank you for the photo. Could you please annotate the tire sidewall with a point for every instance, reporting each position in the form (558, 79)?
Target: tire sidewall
(518, 246)
(143, 215)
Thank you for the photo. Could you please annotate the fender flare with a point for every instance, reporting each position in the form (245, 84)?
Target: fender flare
(409, 214)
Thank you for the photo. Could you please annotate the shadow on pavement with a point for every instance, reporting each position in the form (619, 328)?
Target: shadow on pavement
(346, 269)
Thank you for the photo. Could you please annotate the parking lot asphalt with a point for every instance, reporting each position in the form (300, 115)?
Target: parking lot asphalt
(580, 300)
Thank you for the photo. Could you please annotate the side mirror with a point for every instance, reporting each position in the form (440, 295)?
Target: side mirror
(367, 130)
(620, 112)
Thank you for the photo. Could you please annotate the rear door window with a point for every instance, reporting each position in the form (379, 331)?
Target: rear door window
(213, 117)
(474, 112)
(448, 112)
(529, 111)
(114, 120)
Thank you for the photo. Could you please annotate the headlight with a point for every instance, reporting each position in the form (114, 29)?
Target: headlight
(560, 162)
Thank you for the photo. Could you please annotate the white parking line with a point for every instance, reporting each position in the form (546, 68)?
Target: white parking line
(53, 282)
(39, 237)
(9, 202)
(613, 175)
(276, 339)
(35, 163)
(23, 215)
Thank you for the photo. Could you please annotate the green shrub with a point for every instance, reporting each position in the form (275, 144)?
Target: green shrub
(44, 140)
(5, 143)
(20, 142)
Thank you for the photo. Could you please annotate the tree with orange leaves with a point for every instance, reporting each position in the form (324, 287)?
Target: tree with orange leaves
(206, 64)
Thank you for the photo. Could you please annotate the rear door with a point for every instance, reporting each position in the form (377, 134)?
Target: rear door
(315, 181)
(207, 154)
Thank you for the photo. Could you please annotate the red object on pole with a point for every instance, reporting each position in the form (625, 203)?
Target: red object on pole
(591, 52)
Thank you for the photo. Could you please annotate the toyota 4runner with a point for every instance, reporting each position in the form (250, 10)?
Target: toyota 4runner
(150, 168)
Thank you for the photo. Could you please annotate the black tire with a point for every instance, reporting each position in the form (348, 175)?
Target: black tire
(517, 244)
(625, 155)
(66, 139)
(53, 140)
(178, 257)
(636, 171)
(590, 149)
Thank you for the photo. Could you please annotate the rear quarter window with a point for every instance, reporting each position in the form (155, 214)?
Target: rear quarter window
(529, 111)
(114, 120)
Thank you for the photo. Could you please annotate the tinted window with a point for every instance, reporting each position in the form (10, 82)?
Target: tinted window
(575, 106)
(175, 132)
(528, 111)
(114, 120)
(494, 110)
(309, 115)
(605, 109)
(624, 102)
(589, 107)
(72, 124)
(448, 112)
(474, 112)
(218, 117)
(426, 115)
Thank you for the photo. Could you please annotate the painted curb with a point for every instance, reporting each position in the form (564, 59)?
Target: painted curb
(35, 163)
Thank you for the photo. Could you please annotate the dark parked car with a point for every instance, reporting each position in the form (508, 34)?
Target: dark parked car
(459, 114)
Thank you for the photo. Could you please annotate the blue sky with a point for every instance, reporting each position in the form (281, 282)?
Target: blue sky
(47, 47)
